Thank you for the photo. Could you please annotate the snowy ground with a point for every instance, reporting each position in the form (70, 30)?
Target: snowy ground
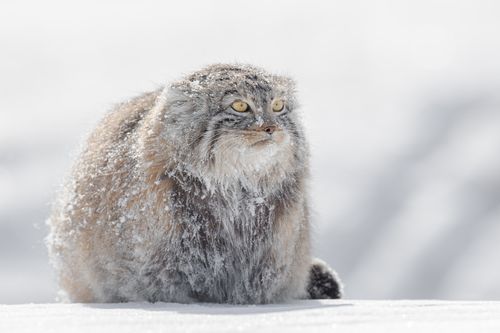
(311, 316)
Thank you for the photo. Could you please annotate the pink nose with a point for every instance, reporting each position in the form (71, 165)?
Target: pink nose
(269, 129)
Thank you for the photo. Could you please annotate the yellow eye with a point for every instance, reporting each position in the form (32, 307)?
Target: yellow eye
(239, 106)
(278, 105)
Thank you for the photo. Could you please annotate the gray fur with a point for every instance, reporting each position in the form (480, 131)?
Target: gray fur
(177, 197)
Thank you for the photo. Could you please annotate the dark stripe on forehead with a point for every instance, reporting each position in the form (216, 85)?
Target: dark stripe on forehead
(230, 92)
(263, 88)
(261, 92)
(259, 84)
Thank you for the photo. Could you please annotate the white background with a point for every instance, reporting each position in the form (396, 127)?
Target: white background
(401, 100)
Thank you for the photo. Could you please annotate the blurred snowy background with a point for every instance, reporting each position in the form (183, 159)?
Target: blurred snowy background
(401, 100)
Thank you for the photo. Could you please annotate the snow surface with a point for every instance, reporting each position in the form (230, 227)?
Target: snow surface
(314, 316)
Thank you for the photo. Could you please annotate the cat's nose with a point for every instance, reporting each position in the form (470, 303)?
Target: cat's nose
(269, 129)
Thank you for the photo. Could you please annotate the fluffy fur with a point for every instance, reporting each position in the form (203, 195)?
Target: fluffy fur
(177, 197)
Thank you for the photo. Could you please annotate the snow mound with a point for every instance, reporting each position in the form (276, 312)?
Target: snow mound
(321, 316)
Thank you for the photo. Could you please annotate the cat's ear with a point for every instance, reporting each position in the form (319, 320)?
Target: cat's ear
(178, 101)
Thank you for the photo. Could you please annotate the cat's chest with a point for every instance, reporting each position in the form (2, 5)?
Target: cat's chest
(238, 218)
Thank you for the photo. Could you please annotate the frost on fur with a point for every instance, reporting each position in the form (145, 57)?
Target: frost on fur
(178, 197)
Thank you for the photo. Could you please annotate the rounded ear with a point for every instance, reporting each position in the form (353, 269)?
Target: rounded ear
(181, 102)
(178, 101)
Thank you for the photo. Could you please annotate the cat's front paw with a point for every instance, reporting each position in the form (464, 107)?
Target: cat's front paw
(323, 281)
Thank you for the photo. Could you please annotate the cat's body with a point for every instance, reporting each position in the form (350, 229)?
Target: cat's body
(179, 198)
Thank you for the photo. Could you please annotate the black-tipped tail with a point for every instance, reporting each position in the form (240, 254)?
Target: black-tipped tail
(323, 282)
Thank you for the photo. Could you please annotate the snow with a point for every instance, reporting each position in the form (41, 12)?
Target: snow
(314, 316)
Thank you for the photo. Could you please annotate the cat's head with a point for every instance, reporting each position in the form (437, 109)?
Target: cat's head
(234, 122)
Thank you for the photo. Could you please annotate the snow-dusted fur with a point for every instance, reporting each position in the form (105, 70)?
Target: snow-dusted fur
(177, 197)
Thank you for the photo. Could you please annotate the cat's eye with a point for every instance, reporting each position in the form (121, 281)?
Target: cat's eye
(239, 106)
(278, 105)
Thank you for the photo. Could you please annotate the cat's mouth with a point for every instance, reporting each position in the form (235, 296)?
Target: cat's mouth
(260, 139)
(252, 154)
(262, 142)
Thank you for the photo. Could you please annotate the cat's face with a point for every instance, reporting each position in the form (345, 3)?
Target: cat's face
(237, 121)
